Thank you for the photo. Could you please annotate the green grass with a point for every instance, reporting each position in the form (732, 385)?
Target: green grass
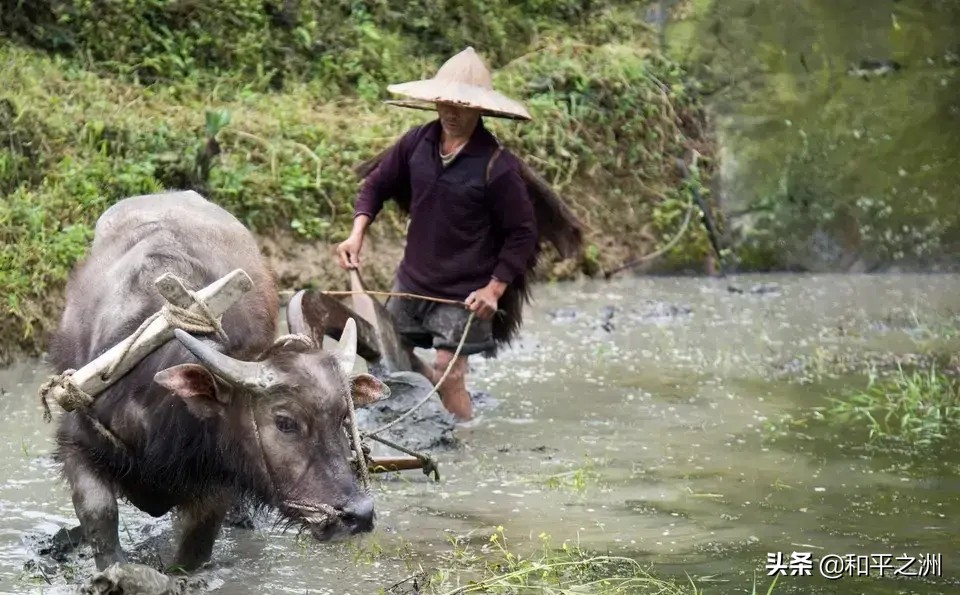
(500, 566)
(918, 408)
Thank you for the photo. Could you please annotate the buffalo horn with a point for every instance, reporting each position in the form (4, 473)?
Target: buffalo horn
(295, 320)
(347, 346)
(237, 372)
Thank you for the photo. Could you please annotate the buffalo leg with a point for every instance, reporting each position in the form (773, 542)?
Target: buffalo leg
(200, 524)
(95, 502)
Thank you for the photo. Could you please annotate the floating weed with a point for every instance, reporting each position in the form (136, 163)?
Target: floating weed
(366, 554)
(459, 553)
(577, 480)
(497, 566)
(918, 408)
(372, 550)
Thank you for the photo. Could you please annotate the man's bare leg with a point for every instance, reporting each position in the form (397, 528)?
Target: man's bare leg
(453, 391)
(419, 366)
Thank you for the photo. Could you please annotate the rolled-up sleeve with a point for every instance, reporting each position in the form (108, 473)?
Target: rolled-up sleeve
(389, 179)
(514, 216)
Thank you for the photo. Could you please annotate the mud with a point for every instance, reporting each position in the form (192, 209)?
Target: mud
(299, 264)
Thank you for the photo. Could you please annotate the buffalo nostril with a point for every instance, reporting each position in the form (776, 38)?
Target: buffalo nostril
(358, 515)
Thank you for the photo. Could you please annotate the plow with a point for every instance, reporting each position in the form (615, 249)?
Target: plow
(334, 314)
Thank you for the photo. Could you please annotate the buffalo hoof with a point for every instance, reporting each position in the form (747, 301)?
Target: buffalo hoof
(104, 561)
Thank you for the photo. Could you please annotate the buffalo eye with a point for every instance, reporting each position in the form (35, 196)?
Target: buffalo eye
(286, 424)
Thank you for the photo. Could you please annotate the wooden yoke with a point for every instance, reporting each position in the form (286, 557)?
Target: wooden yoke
(213, 300)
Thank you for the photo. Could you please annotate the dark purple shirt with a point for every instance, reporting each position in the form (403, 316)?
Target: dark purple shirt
(462, 231)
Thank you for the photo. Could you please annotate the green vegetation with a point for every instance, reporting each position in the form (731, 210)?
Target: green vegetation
(498, 565)
(918, 409)
(575, 480)
(498, 568)
(267, 111)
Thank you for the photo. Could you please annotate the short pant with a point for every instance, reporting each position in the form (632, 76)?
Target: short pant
(427, 324)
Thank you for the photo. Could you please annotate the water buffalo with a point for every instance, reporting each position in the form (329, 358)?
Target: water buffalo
(201, 424)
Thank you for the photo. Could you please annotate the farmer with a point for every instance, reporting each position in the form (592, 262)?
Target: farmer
(472, 232)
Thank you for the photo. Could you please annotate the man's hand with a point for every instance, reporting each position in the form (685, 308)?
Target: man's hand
(484, 301)
(348, 251)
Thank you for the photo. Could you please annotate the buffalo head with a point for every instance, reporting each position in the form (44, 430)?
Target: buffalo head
(286, 413)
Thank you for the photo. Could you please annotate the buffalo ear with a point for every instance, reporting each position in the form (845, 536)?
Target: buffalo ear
(366, 390)
(196, 386)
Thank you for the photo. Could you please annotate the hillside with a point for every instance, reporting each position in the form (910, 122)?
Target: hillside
(266, 112)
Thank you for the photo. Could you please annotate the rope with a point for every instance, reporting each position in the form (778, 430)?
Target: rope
(74, 398)
(683, 227)
(358, 447)
(395, 294)
(201, 322)
(453, 360)
(669, 245)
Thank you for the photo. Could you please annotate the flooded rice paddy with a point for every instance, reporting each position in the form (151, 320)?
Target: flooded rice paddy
(634, 419)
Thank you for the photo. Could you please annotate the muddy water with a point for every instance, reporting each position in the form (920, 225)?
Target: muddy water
(657, 391)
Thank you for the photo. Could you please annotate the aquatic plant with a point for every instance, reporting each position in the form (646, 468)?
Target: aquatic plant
(576, 480)
(918, 408)
(498, 567)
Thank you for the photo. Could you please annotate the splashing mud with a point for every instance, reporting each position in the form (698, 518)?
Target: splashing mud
(632, 418)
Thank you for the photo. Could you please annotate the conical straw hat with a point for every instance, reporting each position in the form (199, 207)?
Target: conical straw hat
(462, 80)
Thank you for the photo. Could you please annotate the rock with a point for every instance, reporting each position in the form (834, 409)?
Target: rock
(658, 311)
(769, 288)
(606, 318)
(137, 579)
(765, 289)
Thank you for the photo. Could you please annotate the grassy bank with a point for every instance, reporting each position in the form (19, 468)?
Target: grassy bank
(84, 125)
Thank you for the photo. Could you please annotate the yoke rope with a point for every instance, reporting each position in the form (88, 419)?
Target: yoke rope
(358, 447)
(201, 322)
(400, 294)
